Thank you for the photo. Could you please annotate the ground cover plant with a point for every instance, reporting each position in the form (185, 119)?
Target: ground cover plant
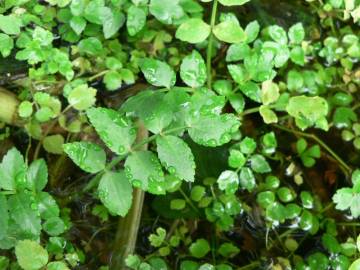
(179, 134)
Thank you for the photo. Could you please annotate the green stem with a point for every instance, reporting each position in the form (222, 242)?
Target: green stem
(187, 199)
(347, 171)
(210, 44)
(250, 266)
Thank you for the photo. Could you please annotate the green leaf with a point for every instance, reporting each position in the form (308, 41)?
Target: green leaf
(237, 102)
(88, 156)
(158, 73)
(166, 11)
(237, 52)
(25, 215)
(144, 171)
(91, 46)
(193, 70)
(247, 179)
(270, 92)
(247, 145)
(54, 226)
(355, 265)
(60, 3)
(93, 11)
(251, 90)
(25, 108)
(78, 24)
(47, 205)
(37, 175)
(112, 80)
(177, 204)
(297, 55)
(157, 239)
(115, 192)
(236, 159)
(57, 266)
(268, 115)
(259, 164)
(308, 111)
(228, 250)
(82, 97)
(213, 130)
(252, 31)
(6, 45)
(4, 220)
(295, 80)
(233, 2)
(344, 117)
(296, 33)
(199, 248)
(53, 144)
(111, 125)
(278, 34)
(238, 73)
(176, 156)
(44, 37)
(12, 171)
(112, 21)
(228, 181)
(30, 255)
(193, 30)
(136, 19)
(10, 24)
(229, 31)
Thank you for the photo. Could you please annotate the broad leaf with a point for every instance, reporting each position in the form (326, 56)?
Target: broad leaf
(115, 192)
(136, 19)
(193, 70)
(229, 31)
(228, 181)
(82, 97)
(213, 130)
(88, 156)
(12, 171)
(30, 255)
(115, 130)
(37, 175)
(176, 156)
(233, 2)
(166, 11)
(112, 20)
(158, 73)
(296, 33)
(144, 171)
(10, 24)
(193, 30)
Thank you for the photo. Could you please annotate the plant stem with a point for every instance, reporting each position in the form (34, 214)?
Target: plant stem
(187, 199)
(128, 227)
(250, 266)
(210, 44)
(347, 171)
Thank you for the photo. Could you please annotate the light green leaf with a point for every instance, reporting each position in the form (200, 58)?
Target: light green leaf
(4, 214)
(112, 21)
(91, 46)
(355, 265)
(144, 171)
(115, 192)
(37, 175)
(278, 34)
(53, 144)
(251, 90)
(30, 255)
(308, 111)
(82, 97)
(88, 156)
(252, 31)
(57, 266)
(228, 181)
(6, 45)
(229, 31)
(78, 24)
(115, 130)
(233, 2)
(270, 92)
(12, 170)
(297, 55)
(268, 115)
(60, 3)
(176, 156)
(199, 248)
(136, 19)
(25, 108)
(193, 30)
(297, 33)
(166, 11)
(10, 24)
(54, 226)
(112, 80)
(259, 164)
(93, 11)
(193, 70)
(158, 73)
(213, 130)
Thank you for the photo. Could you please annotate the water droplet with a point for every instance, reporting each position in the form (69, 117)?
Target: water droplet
(171, 169)
(136, 183)
(34, 206)
(234, 128)
(211, 143)
(225, 138)
(121, 149)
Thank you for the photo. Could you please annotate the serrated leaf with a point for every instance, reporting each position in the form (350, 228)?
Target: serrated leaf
(30, 255)
(88, 156)
(115, 192)
(37, 175)
(229, 31)
(176, 156)
(24, 215)
(143, 169)
(213, 130)
(193, 70)
(82, 97)
(12, 170)
(115, 130)
(158, 73)
(193, 30)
